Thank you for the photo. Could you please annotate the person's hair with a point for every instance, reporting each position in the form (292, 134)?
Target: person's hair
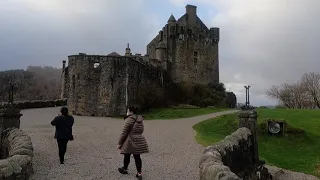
(64, 111)
(133, 108)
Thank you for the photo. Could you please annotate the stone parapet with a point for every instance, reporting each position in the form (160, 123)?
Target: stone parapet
(16, 155)
(9, 118)
(35, 104)
(248, 118)
(214, 162)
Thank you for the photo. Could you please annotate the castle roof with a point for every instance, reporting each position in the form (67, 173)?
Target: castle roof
(114, 54)
(172, 19)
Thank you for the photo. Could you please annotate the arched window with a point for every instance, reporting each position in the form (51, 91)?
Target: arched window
(95, 65)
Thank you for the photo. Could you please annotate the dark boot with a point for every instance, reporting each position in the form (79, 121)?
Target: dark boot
(123, 171)
(139, 176)
(61, 160)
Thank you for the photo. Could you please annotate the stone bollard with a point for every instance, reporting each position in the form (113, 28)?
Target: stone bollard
(248, 119)
(9, 118)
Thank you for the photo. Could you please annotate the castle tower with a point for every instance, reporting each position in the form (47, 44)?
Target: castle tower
(161, 53)
(128, 50)
(188, 48)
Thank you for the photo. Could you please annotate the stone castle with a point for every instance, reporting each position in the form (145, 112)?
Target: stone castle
(185, 50)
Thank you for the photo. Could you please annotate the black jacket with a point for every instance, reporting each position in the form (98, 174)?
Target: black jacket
(63, 127)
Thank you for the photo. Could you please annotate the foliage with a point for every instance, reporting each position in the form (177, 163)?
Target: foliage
(35, 83)
(181, 93)
(151, 97)
(185, 106)
(302, 94)
(298, 150)
(262, 107)
(198, 95)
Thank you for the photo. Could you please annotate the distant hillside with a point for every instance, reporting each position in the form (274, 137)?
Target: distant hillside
(35, 83)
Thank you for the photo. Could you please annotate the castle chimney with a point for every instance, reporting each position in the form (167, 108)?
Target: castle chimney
(63, 65)
(128, 50)
(191, 12)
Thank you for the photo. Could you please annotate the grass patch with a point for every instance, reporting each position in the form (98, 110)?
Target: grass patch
(297, 150)
(179, 112)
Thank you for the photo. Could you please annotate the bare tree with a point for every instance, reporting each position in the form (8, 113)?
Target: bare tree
(290, 95)
(280, 93)
(35, 83)
(311, 81)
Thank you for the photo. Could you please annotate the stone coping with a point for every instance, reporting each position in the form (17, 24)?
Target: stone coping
(211, 165)
(34, 104)
(18, 164)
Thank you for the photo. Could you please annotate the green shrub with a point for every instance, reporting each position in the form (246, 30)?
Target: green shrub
(151, 97)
(185, 106)
(182, 93)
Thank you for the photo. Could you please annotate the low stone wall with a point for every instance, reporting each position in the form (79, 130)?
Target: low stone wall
(36, 104)
(16, 155)
(221, 160)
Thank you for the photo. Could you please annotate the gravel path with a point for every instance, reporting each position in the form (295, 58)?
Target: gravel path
(174, 154)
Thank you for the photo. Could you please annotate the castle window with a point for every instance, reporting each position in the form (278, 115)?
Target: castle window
(95, 65)
(195, 61)
(195, 56)
(181, 37)
(181, 30)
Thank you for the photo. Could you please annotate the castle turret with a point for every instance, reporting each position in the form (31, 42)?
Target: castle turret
(215, 34)
(128, 50)
(171, 25)
(172, 19)
(161, 53)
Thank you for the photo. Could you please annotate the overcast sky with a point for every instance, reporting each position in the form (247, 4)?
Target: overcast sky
(262, 43)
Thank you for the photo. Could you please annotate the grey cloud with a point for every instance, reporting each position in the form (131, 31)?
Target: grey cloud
(46, 32)
(267, 42)
(270, 46)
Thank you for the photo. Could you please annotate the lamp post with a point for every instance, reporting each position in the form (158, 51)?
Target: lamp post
(247, 95)
(11, 88)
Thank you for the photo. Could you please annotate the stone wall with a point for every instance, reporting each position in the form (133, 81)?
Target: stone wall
(144, 79)
(16, 155)
(65, 85)
(105, 90)
(236, 157)
(36, 104)
(216, 162)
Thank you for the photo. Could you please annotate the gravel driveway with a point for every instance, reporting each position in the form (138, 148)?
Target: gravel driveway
(174, 153)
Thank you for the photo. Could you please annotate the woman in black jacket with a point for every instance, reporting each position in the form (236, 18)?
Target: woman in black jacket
(63, 134)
